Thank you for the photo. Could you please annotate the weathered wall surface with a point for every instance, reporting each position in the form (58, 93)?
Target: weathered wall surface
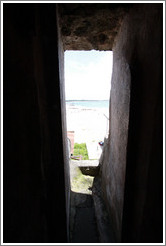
(34, 186)
(114, 162)
(132, 167)
(142, 220)
(91, 26)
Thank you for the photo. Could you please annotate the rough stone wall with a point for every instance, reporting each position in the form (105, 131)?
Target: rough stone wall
(34, 187)
(131, 183)
(114, 161)
(90, 26)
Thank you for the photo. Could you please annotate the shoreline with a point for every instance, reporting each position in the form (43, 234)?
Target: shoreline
(90, 126)
(82, 108)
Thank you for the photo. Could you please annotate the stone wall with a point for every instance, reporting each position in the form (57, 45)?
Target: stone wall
(34, 184)
(64, 127)
(142, 216)
(114, 161)
(132, 167)
(22, 175)
(91, 26)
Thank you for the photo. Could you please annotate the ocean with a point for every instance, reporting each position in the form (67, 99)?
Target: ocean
(100, 104)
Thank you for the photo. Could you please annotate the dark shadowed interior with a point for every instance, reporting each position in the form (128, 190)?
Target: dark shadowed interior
(36, 188)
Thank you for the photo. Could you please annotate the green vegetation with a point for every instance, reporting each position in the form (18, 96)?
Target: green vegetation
(81, 183)
(81, 149)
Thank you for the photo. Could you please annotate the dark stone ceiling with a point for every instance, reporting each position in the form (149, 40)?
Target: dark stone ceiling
(87, 26)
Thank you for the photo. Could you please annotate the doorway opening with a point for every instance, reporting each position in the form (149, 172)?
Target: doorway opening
(87, 90)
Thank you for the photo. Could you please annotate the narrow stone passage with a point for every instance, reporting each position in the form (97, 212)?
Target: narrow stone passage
(83, 227)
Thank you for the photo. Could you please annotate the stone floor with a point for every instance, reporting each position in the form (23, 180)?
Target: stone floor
(84, 222)
(83, 227)
(89, 219)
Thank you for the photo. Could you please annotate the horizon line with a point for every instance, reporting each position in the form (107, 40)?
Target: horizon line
(87, 100)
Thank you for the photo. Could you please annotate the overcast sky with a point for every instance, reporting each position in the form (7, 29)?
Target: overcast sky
(88, 75)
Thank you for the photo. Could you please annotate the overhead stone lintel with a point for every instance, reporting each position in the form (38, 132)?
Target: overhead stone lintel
(86, 26)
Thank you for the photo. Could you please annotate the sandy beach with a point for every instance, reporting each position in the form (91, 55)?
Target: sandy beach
(90, 126)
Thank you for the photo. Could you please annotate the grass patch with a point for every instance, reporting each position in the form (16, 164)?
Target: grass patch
(81, 149)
